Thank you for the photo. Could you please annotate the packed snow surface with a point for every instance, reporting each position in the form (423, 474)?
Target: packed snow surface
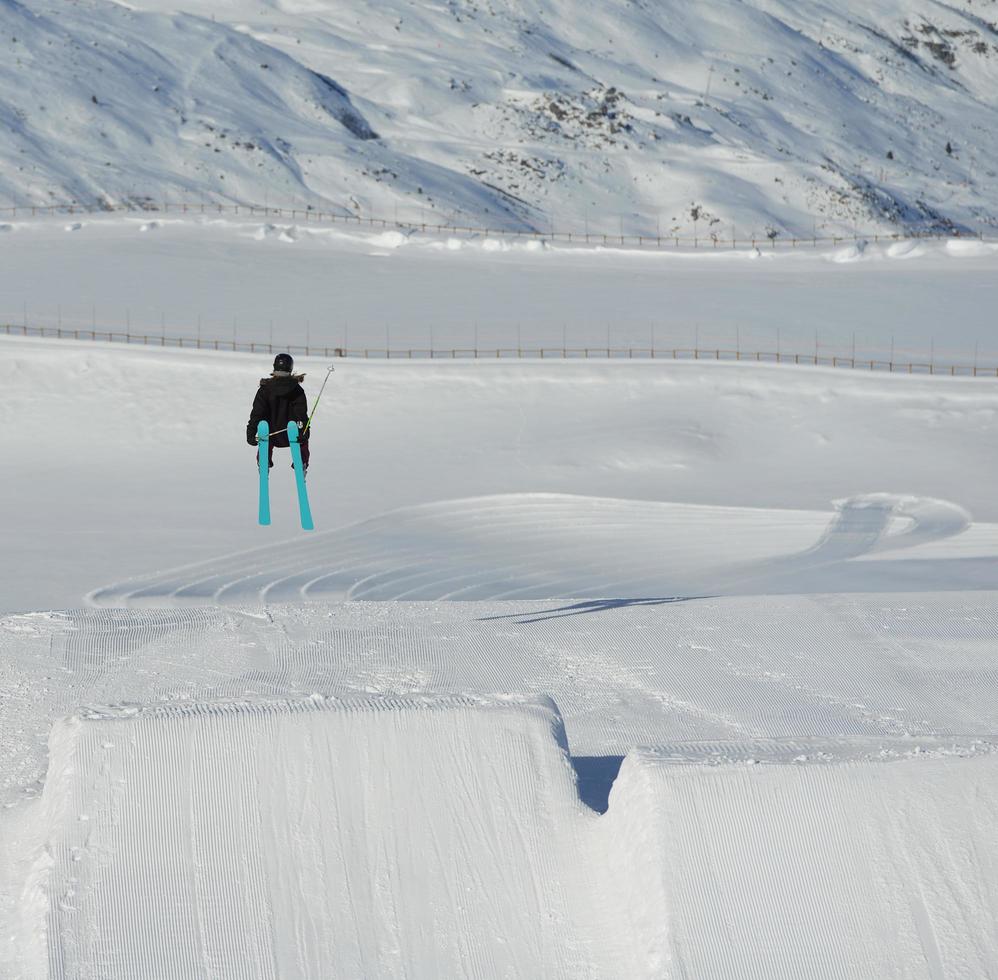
(720, 700)
(239, 826)
(765, 117)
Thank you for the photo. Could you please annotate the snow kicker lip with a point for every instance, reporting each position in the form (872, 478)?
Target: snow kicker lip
(555, 546)
(819, 750)
(749, 871)
(535, 705)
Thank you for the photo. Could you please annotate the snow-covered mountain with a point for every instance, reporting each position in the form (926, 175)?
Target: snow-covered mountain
(651, 116)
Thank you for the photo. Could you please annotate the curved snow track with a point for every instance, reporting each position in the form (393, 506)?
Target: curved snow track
(551, 546)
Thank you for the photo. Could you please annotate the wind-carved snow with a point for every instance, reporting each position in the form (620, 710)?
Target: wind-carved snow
(764, 118)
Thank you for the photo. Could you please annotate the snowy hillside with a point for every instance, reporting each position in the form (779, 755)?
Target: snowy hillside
(766, 117)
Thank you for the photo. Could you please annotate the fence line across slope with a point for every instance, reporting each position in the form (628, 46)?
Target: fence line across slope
(494, 353)
(312, 215)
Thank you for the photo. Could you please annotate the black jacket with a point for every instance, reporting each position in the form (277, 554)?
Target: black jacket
(279, 400)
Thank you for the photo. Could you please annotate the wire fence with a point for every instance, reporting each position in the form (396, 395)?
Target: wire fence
(499, 353)
(310, 215)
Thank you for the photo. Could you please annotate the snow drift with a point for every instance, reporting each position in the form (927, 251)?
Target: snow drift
(548, 479)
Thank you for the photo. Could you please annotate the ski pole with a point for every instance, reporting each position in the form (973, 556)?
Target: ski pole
(315, 405)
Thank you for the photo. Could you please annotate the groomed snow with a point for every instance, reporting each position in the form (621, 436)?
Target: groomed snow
(844, 868)
(265, 837)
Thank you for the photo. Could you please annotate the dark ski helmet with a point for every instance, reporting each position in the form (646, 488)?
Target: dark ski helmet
(284, 362)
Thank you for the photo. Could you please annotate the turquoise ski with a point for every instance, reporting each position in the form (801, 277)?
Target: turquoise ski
(263, 444)
(304, 509)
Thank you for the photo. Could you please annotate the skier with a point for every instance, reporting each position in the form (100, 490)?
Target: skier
(280, 399)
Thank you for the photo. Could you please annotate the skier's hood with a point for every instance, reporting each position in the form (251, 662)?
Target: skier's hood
(283, 378)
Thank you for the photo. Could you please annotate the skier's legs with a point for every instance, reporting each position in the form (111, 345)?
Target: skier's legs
(270, 456)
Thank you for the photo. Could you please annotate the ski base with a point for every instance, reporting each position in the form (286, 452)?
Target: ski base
(263, 460)
(303, 507)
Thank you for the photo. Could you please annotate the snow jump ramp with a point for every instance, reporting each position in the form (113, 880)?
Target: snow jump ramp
(444, 837)
(317, 838)
(845, 860)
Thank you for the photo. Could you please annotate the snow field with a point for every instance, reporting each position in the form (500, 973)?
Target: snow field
(712, 464)
(339, 286)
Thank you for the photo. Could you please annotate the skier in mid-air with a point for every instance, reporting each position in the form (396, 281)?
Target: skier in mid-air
(280, 399)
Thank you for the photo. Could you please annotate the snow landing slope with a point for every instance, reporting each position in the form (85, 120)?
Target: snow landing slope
(768, 116)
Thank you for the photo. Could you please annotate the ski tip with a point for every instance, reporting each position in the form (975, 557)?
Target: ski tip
(293, 431)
